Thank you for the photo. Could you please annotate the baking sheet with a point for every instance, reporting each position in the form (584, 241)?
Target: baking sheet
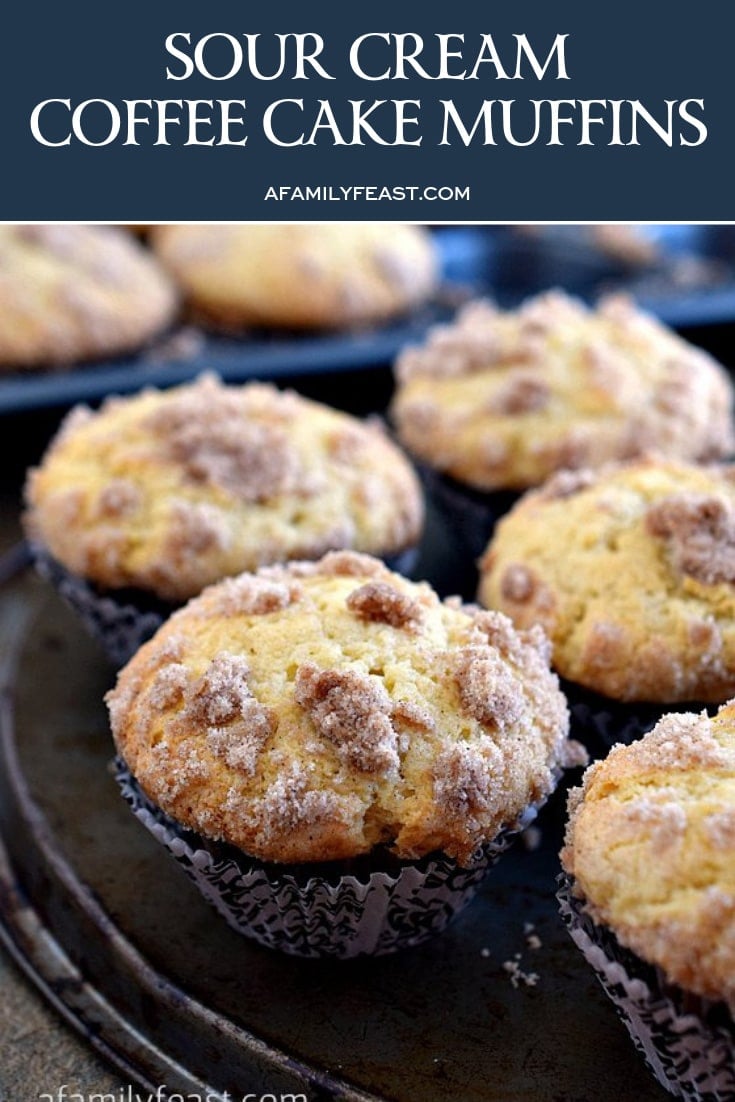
(116, 935)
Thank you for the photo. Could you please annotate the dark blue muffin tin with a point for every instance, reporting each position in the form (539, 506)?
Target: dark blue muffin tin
(691, 281)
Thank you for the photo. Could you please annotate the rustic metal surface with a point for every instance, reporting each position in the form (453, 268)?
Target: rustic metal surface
(125, 947)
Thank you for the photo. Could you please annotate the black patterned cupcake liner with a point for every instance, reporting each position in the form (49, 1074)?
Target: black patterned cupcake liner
(470, 514)
(321, 911)
(597, 719)
(122, 620)
(687, 1042)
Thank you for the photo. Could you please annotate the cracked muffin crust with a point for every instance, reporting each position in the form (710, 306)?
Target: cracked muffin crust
(631, 571)
(651, 847)
(310, 712)
(501, 400)
(71, 293)
(300, 277)
(169, 491)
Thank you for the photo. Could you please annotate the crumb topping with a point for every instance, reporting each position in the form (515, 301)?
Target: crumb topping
(665, 821)
(240, 743)
(405, 713)
(488, 690)
(203, 481)
(700, 530)
(352, 711)
(119, 498)
(483, 337)
(466, 779)
(720, 826)
(195, 527)
(471, 344)
(529, 651)
(254, 595)
(338, 564)
(381, 602)
(264, 703)
(236, 725)
(553, 385)
(518, 583)
(566, 483)
(209, 430)
(523, 393)
(680, 741)
(290, 804)
(169, 686)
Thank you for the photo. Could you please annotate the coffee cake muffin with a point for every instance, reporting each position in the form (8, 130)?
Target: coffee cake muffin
(72, 293)
(631, 571)
(165, 492)
(299, 277)
(320, 712)
(649, 895)
(499, 401)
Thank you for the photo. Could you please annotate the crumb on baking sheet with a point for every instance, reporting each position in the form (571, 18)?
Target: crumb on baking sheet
(531, 838)
(517, 976)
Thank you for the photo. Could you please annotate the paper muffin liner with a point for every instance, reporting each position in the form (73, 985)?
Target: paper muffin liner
(120, 623)
(597, 718)
(471, 514)
(322, 912)
(687, 1042)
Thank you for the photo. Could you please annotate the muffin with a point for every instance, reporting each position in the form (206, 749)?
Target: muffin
(631, 572)
(71, 293)
(158, 495)
(498, 401)
(299, 277)
(316, 714)
(650, 895)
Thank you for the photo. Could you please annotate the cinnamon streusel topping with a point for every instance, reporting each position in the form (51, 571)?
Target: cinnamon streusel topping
(312, 711)
(170, 491)
(501, 400)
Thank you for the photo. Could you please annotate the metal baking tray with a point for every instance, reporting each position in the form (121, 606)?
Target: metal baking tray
(122, 944)
(689, 280)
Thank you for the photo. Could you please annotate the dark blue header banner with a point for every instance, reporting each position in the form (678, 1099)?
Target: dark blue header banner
(529, 111)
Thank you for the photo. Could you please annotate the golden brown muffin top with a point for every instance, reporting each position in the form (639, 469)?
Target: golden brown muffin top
(631, 571)
(75, 292)
(651, 846)
(308, 276)
(169, 491)
(313, 711)
(502, 399)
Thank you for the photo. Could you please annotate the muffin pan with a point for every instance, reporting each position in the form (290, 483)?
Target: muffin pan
(690, 280)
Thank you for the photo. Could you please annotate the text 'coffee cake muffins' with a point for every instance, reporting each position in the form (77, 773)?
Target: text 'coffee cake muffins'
(70, 293)
(650, 895)
(500, 400)
(317, 712)
(168, 491)
(300, 277)
(631, 572)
